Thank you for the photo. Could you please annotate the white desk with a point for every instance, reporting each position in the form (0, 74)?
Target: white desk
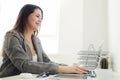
(102, 74)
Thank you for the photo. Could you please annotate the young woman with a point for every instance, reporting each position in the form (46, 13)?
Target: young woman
(22, 51)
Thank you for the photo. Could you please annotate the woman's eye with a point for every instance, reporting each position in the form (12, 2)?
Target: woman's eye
(38, 16)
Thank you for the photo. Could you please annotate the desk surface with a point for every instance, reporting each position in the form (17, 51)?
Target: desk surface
(102, 74)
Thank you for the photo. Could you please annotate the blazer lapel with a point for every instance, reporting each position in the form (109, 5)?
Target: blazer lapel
(38, 49)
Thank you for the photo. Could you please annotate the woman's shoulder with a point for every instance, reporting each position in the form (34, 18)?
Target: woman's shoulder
(12, 33)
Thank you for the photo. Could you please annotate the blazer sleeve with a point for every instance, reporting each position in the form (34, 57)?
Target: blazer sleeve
(47, 59)
(21, 60)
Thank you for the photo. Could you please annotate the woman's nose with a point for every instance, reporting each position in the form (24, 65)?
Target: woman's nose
(40, 20)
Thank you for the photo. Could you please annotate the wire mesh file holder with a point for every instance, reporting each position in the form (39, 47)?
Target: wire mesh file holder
(90, 59)
(92, 55)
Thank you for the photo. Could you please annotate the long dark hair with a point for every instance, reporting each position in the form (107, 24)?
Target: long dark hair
(23, 15)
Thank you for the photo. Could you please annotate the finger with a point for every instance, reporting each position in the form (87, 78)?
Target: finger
(82, 68)
(80, 72)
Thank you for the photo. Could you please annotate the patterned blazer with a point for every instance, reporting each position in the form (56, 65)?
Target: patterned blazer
(17, 57)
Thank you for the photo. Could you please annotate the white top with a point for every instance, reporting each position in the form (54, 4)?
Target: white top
(35, 58)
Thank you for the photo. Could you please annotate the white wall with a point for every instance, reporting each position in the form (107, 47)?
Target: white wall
(71, 26)
(70, 31)
(81, 22)
(114, 32)
(95, 23)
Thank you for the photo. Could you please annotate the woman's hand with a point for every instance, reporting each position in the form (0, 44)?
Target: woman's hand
(71, 69)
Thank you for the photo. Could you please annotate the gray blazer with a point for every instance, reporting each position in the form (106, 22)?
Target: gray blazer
(17, 57)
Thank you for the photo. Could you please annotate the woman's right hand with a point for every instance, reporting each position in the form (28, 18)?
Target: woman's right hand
(72, 69)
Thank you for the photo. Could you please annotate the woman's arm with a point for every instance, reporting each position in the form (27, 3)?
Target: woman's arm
(22, 62)
(46, 59)
(63, 68)
(72, 69)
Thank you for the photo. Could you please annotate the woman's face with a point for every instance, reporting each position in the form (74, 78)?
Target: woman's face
(34, 20)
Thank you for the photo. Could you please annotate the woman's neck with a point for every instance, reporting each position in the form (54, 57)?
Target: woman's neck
(28, 40)
(27, 34)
